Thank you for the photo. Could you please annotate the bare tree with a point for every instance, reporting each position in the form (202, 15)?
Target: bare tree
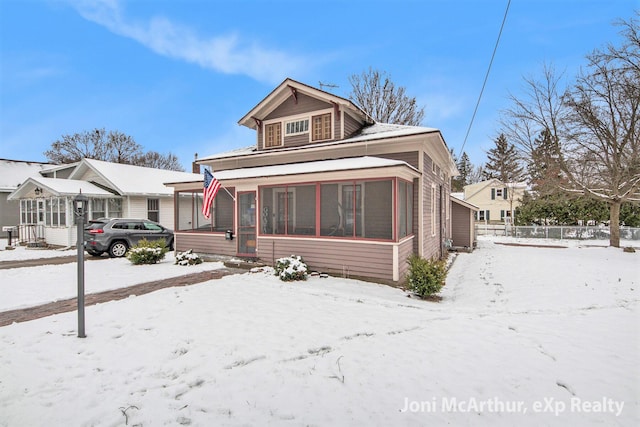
(380, 98)
(153, 159)
(72, 148)
(594, 122)
(112, 146)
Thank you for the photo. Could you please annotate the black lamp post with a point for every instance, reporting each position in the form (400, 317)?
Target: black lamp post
(80, 203)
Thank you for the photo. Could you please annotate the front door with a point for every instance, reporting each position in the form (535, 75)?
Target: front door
(247, 224)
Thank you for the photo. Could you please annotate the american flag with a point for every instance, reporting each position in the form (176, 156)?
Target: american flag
(211, 187)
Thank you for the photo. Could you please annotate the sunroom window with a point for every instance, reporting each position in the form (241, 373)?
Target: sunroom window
(189, 212)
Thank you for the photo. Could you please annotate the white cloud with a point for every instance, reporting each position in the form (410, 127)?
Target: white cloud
(223, 53)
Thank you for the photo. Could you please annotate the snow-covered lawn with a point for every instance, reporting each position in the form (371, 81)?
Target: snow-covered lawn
(523, 336)
(25, 287)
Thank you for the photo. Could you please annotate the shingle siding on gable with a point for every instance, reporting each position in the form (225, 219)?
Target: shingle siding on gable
(351, 126)
(305, 104)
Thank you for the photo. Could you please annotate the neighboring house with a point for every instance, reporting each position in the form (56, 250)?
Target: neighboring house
(323, 181)
(463, 230)
(496, 200)
(12, 174)
(113, 189)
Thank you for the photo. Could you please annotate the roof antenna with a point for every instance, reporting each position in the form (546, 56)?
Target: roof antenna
(329, 85)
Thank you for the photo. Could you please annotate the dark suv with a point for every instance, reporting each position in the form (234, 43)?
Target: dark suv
(117, 235)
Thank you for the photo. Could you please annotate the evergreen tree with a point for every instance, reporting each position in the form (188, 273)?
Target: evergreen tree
(503, 162)
(466, 169)
(543, 166)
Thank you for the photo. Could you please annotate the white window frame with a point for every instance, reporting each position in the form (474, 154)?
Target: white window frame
(499, 193)
(291, 123)
(433, 210)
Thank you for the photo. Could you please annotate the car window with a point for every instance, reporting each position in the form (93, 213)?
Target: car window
(119, 225)
(152, 226)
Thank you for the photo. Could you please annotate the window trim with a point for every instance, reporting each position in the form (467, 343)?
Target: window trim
(306, 119)
(344, 182)
(273, 123)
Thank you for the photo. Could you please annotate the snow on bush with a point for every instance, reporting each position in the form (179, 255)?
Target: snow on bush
(147, 252)
(291, 268)
(188, 258)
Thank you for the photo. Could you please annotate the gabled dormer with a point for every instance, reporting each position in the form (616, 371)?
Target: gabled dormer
(295, 115)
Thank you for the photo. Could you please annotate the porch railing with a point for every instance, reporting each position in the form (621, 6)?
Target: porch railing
(31, 234)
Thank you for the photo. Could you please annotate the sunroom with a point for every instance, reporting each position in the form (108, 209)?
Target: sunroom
(353, 216)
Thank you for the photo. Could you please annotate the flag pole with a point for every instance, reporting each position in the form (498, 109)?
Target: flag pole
(225, 189)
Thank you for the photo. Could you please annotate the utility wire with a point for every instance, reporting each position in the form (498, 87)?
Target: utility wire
(486, 77)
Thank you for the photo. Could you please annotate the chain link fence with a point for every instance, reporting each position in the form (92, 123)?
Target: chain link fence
(562, 232)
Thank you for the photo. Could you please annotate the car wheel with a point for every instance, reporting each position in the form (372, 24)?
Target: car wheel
(171, 245)
(118, 249)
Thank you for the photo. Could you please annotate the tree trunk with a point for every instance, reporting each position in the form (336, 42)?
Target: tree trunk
(614, 223)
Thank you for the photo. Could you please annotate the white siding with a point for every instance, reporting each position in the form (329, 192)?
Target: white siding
(60, 236)
(138, 209)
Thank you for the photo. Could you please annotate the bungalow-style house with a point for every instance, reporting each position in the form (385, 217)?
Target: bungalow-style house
(496, 200)
(12, 174)
(323, 181)
(113, 189)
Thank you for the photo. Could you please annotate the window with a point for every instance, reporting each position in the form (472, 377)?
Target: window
(352, 209)
(98, 209)
(114, 208)
(498, 192)
(55, 212)
(433, 209)
(321, 127)
(272, 135)
(153, 209)
(297, 127)
(405, 209)
(482, 215)
(288, 210)
(189, 212)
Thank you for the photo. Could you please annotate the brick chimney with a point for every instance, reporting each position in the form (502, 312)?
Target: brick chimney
(195, 167)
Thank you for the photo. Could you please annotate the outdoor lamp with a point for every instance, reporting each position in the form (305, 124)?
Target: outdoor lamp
(80, 203)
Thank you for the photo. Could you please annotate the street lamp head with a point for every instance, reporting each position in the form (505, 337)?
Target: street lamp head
(80, 204)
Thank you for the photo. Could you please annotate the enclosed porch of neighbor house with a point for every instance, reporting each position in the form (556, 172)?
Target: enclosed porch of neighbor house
(355, 217)
(46, 209)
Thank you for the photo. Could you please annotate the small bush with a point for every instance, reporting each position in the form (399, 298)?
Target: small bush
(148, 252)
(291, 268)
(426, 277)
(188, 258)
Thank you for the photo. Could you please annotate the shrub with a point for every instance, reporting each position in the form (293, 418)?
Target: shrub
(291, 268)
(188, 258)
(426, 277)
(147, 252)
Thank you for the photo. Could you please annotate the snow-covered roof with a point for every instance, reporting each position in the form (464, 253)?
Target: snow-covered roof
(58, 187)
(355, 163)
(133, 180)
(15, 172)
(458, 195)
(369, 133)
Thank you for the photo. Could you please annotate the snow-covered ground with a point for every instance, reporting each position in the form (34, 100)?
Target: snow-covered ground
(523, 336)
(25, 287)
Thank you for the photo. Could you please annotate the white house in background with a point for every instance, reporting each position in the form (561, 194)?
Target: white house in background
(113, 189)
(496, 200)
(12, 174)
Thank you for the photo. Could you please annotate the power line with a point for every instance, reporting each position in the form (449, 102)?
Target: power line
(486, 77)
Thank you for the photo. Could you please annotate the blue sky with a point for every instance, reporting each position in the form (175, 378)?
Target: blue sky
(178, 75)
